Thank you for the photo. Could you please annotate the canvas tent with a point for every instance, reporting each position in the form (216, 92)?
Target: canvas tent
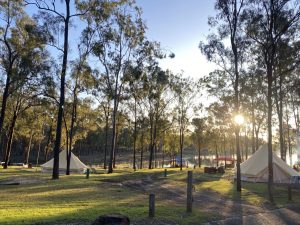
(255, 169)
(76, 166)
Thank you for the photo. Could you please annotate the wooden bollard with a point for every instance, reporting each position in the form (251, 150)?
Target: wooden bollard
(290, 193)
(151, 205)
(189, 199)
(87, 173)
(165, 173)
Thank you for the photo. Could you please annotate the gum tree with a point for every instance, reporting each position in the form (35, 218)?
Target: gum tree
(267, 23)
(228, 24)
(116, 29)
(54, 14)
(10, 12)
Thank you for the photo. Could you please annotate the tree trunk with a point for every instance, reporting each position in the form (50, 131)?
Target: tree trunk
(280, 118)
(270, 152)
(9, 141)
(151, 145)
(38, 153)
(155, 155)
(246, 144)
(46, 149)
(69, 154)
(46, 152)
(106, 142)
(142, 150)
(257, 136)
(27, 152)
(4, 103)
(3, 141)
(199, 155)
(134, 135)
(242, 146)
(73, 120)
(67, 140)
(295, 113)
(154, 136)
(269, 60)
(237, 129)
(163, 158)
(9, 71)
(151, 149)
(115, 151)
(181, 146)
(233, 30)
(252, 115)
(289, 147)
(217, 154)
(55, 173)
(114, 158)
(279, 109)
(238, 155)
(114, 130)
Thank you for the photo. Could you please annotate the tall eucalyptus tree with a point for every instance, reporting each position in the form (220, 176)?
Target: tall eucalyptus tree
(116, 29)
(267, 23)
(10, 12)
(81, 80)
(54, 14)
(229, 25)
(185, 91)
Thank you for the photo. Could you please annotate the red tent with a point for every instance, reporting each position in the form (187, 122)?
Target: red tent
(225, 158)
(229, 161)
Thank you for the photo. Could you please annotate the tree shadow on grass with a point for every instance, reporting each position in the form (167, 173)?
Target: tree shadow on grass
(83, 199)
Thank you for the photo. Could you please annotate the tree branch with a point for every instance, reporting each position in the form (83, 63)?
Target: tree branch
(46, 7)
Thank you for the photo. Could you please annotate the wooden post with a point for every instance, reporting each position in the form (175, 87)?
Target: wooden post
(165, 174)
(87, 173)
(189, 198)
(290, 193)
(152, 205)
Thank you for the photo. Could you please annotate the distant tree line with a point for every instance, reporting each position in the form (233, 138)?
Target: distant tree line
(94, 87)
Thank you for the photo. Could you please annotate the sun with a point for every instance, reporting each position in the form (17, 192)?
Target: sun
(239, 119)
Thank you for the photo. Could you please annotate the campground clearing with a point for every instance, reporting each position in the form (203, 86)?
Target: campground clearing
(76, 200)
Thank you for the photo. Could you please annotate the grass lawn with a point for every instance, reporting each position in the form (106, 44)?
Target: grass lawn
(77, 199)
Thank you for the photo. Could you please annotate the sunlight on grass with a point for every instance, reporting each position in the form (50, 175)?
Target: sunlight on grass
(75, 198)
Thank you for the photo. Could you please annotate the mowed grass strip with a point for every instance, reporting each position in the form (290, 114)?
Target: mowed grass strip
(69, 199)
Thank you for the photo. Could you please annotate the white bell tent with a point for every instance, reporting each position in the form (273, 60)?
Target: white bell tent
(76, 166)
(255, 169)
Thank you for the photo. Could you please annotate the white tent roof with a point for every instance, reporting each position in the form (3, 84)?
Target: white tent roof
(256, 167)
(75, 163)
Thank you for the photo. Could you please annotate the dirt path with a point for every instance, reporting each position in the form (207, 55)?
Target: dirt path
(230, 212)
(282, 216)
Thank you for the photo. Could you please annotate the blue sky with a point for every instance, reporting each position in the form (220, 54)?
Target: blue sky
(180, 25)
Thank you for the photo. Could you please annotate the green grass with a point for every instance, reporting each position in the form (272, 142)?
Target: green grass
(75, 198)
(252, 193)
